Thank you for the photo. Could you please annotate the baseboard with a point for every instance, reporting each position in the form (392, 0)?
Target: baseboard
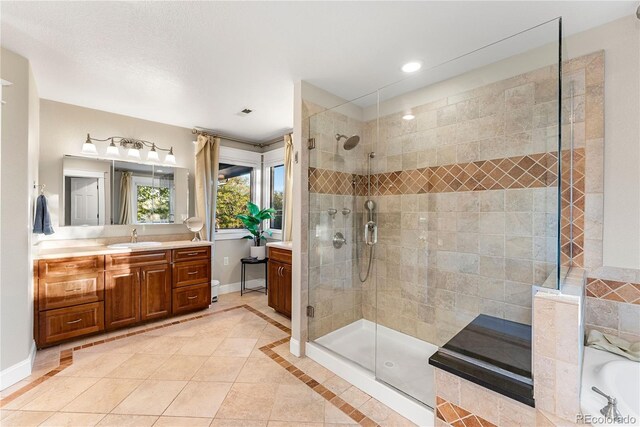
(19, 371)
(294, 347)
(235, 287)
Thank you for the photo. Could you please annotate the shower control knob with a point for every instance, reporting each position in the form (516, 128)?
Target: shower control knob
(339, 240)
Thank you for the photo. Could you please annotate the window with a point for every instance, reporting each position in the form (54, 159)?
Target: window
(235, 184)
(151, 200)
(276, 195)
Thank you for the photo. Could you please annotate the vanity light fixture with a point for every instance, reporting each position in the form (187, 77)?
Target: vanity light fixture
(411, 67)
(112, 149)
(153, 154)
(132, 147)
(171, 159)
(88, 147)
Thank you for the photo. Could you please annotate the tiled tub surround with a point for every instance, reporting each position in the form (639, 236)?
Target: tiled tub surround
(613, 302)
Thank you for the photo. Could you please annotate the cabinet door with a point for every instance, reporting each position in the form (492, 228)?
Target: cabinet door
(122, 297)
(155, 291)
(274, 284)
(285, 290)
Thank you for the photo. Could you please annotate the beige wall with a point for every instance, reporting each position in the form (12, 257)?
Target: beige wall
(621, 42)
(64, 128)
(18, 173)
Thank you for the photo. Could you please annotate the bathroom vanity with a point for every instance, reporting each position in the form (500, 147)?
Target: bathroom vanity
(82, 291)
(279, 274)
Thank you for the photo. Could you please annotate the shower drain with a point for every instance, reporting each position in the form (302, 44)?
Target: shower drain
(389, 364)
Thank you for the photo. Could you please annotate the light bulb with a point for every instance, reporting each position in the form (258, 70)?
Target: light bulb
(171, 159)
(134, 152)
(88, 147)
(411, 67)
(112, 149)
(408, 116)
(153, 154)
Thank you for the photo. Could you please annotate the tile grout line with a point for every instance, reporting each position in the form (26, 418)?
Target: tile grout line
(66, 360)
(66, 355)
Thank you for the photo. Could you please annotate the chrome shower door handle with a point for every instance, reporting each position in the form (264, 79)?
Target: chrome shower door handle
(370, 233)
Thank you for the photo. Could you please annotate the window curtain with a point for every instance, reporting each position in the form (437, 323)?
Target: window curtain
(125, 198)
(288, 188)
(207, 157)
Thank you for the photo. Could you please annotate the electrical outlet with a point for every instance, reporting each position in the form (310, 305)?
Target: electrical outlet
(226, 260)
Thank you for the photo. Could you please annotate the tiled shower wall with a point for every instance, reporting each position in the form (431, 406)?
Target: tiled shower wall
(467, 200)
(333, 291)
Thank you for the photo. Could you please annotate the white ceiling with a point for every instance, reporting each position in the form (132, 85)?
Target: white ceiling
(200, 63)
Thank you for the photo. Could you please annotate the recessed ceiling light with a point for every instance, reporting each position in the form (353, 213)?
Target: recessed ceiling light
(411, 67)
(408, 116)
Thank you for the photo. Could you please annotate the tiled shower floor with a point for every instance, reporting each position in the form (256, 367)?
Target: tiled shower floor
(396, 359)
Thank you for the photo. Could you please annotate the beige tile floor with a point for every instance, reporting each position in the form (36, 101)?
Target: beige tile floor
(204, 372)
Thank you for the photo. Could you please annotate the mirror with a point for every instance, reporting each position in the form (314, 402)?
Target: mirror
(103, 192)
(194, 224)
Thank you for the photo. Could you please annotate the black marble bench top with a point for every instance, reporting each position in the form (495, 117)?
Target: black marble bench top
(491, 352)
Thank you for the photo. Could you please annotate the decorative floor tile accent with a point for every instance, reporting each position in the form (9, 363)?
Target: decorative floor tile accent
(66, 360)
(613, 290)
(458, 417)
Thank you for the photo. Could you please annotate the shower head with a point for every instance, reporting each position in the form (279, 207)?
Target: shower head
(351, 141)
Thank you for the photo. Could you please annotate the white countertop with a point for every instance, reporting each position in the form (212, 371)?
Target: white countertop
(76, 251)
(281, 245)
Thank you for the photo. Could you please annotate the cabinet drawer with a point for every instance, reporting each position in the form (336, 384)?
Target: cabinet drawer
(189, 298)
(191, 273)
(189, 254)
(68, 266)
(65, 291)
(281, 255)
(65, 323)
(137, 259)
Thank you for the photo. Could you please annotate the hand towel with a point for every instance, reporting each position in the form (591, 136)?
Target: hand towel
(613, 344)
(42, 222)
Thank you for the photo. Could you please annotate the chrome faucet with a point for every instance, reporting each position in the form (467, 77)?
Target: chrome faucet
(134, 236)
(610, 411)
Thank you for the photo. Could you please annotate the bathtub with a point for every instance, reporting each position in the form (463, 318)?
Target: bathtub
(616, 376)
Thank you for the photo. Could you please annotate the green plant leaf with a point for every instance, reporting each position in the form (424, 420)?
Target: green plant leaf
(254, 210)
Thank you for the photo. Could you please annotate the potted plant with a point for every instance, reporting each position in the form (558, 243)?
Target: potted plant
(253, 223)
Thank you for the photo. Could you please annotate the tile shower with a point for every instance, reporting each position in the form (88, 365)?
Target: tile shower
(474, 207)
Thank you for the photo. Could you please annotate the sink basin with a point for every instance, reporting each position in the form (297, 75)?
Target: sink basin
(612, 374)
(134, 245)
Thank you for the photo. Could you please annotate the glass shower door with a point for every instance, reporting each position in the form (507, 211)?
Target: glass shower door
(469, 198)
(343, 305)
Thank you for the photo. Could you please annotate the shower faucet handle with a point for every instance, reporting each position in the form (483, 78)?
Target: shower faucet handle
(370, 233)
(346, 211)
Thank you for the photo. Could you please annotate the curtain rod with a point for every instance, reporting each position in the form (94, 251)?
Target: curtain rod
(205, 132)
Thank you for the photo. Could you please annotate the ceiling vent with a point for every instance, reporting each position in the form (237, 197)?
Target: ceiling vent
(245, 112)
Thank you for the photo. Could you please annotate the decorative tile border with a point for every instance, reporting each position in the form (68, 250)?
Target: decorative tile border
(532, 171)
(66, 360)
(613, 290)
(458, 417)
(330, 182)
(572, 232)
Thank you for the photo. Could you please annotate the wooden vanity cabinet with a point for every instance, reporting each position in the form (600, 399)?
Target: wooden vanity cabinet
(138, 288)
(279, 275)
(69, 298)
(191, 287)
(79, 296)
